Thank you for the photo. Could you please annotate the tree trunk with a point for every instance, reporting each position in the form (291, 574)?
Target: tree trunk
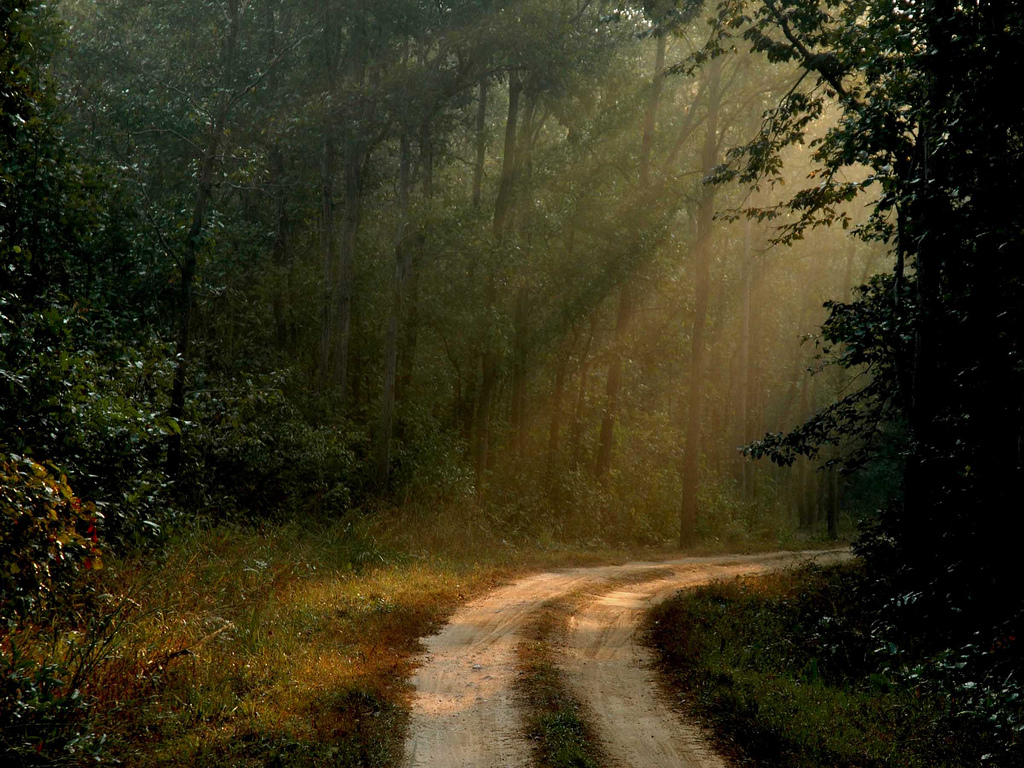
(489, 358)
(577, 414)
(520, 318)
(282, 255)
(407, 355)
(190, 253)
(804, 495)
(344, 273)
(556, 409)
(282, 267)
(602, 468)
(345, 267)
(403, 249)
(519, 370)
(607, 439)
(832, 518)
(488, 379)
(718, 418)
(506, 185)
(467, 410)
(328, 239)
(689, 509)
(427, 159)
(327, 255)
(744, 475)
(651, 114)
(481, 142)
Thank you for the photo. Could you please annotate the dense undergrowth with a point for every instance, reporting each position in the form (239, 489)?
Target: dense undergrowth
(288, 646)
(826, 667)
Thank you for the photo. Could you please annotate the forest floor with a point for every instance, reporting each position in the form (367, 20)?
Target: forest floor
(466, 709)
(314, 645)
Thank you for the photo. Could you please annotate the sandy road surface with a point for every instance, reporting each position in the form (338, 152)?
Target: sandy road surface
(464, 713)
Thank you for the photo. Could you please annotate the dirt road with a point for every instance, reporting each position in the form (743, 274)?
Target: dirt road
(465, 713)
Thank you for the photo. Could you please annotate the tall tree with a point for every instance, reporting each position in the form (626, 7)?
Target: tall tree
(490, 358)
(189, 259)
(330, 43)
(403, 258)
(919, 93)
(690, 509)
(626, 300)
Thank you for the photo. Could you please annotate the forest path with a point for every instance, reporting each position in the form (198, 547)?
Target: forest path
(465, 713)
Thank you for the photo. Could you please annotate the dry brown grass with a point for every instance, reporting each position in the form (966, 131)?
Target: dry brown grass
(245, 647)
(290, 646)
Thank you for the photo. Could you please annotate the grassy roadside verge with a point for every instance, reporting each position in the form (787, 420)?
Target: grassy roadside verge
(782, 669)
(286, 646)
(556, 722)
(290, 646)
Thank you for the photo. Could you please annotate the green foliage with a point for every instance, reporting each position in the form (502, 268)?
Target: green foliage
(168, 192)
(81, 374)
(919, 94)
(44, 720)
(865, 335)
(252, 455)
(94, 407)
(47, 537)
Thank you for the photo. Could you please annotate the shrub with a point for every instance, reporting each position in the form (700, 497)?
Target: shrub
(47, 536)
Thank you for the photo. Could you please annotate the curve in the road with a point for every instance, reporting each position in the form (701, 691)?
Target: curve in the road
(464, 711)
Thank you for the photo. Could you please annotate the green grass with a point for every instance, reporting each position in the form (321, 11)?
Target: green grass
(317, 635)
(782, 669)
(289, 645)
(286, 646)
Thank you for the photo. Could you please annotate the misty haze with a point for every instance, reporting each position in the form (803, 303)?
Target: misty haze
(511, 383)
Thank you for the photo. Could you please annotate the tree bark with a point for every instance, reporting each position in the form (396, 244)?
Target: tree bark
(832, 516)
(607, 439)
(805, 485)
(651, 113)
(407, 354)
(519, 352)
(282, 255)
(353, 153)
(577, 414)
(427, 158)
(554, 429)
(328, 240)
(744, 475)
(520, 317)
(689, 509)
(345, 267)
(506, 185)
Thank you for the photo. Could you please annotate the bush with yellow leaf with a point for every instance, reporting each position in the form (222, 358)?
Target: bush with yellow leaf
(47, 536)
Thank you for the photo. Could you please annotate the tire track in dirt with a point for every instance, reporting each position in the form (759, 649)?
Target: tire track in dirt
(464, 710)
(612, 674)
